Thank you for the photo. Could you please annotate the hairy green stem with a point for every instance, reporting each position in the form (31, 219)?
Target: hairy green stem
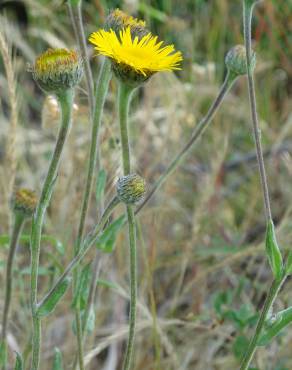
(101, 91)
(198, 131)
(15, 234)
(76, 18)
(247, 17)
(272, 294)
(66, 102)
(275, 287)
(125, 93)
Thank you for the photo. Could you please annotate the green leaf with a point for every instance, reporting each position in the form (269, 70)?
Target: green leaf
(274, 326)
(57, 363)
(239, 346)
(107, 284)
(106, 241)
(82, 288)
(49, 304)
(100, 184)
(288, 265)
(273, 251)
(18, 362)
(90, 321)
(3, 354)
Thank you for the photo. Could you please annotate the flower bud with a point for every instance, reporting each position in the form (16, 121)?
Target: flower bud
(235, 60)
(117, 20)
(24, 202)
(131, 189)
(57, 70)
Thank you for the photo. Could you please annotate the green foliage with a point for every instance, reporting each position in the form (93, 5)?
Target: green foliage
(106, 242)
(100, 184)
(273, 251)
(240, 346)
(57, 363)
(288, 265)
(50, 303)
(275, 325)
(82, 289)
(3, 353)
(18, 362)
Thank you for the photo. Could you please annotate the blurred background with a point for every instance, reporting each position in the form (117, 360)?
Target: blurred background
(203, 274)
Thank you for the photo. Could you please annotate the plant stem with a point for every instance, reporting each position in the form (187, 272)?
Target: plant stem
(76, 18)
(125, 93)
(247, 15)
(277, 283)
(198, 131)
(16, 232)
(66, 102)
(272, 294)
(102, 88)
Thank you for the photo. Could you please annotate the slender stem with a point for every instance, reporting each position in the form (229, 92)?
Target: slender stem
(76, 17)
(198, 131)
(133, 287)
(102, 88)
(247, 11)
(125, 93)
(272, 294)
(16, 232)
(277, 283)
(66, 101)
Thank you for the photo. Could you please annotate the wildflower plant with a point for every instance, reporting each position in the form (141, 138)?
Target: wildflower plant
(131, 53)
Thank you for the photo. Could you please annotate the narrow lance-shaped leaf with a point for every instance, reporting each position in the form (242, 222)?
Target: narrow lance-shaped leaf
(49, 304)
(100, 184)
(288, 265)
(3, 353)
(107, 239)
(273, 251)
(18, 362)
(82, 289)
(57, 364)
(280, 321)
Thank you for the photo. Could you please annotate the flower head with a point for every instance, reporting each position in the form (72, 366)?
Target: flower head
(117, 20)
(135, 60)
(24, 201)
(131, 188)
(58, 69)
(235, 60)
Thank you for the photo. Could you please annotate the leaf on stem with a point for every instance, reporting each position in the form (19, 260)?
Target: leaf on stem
(100, 184)
(82, 288)
(275, 325)
(288, 265)
(57, 364)
(18, 362)
(50, 303)
(106, 242)
(3, 353)
(273, 251)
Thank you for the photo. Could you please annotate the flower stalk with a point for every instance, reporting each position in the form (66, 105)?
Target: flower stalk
(125, 93)
(19, 220)
(278, 280)
(197, 133)
(101, 92)
(66, 101)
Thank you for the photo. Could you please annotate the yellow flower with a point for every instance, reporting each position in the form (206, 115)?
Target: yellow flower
(144, 56)
(118, 19)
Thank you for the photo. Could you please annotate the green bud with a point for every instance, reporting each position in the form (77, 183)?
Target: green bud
(118, 20)
(57, 70)
(131, 189)
(24, 201)
(235, 60)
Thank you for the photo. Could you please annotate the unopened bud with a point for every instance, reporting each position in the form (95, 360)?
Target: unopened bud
(131, 189)
(235, 60)
(24, 201)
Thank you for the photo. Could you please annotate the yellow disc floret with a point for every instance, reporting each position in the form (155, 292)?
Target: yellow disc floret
(144, 56)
